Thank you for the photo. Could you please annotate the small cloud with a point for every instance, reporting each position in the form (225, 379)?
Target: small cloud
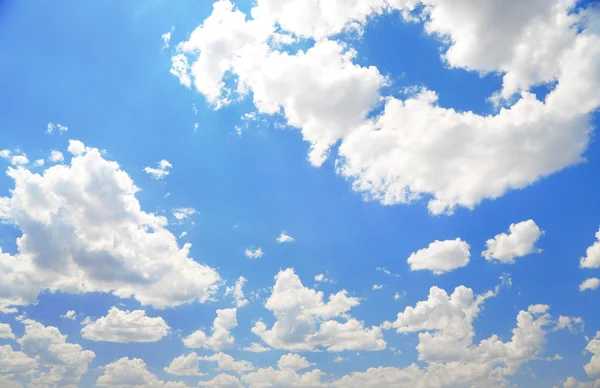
(398, 296)
(184, 213)
(377, 287)
(321, 278)
(71, 314)
(387, 272)
(56, 127)
(284, 238)
(56, 156)
(183, 235)
(86, 321)
(256, 348)
(339, 359)
(254, 254)
(166, 37)
(589, 284)
(162, 171)
(196, 126)
(19, 160)
(39, 163)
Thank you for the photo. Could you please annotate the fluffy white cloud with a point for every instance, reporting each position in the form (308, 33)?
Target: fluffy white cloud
(445, 326)
(56, 156)
(256, 348)
(284, 238)
(589, 284)
(227, 363)
(572, 382)
(519, 241)
(441, 256)
(71, 314)
(6, 331)
(414, 148)
(166, 38)
(66, 362)
(293, 361)
(183, 213)
(285, 375)
(84, 231)
(305, 322)
(222, 381)
(126, 326)
(164, 169)
(593, 367)
(184, 366)
(254, 254)
(592, 257)
(220, 338)
(237, 292)
(132, 373)
(15, 362)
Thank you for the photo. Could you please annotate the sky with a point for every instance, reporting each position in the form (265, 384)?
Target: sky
(293, 193)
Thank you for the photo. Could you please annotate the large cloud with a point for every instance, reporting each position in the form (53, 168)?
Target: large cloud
(84, 231)
(414, 148)
(132, 373)
(126, 326)
(305, 322)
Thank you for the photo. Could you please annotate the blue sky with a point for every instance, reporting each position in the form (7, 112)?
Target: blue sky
(375, 131)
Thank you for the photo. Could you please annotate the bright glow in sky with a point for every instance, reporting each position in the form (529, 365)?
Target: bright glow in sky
(295, 193)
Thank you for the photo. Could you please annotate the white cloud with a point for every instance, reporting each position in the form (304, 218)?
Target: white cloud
(84, 231)
(183, 213)
(166, 38)
(415, 148)
(237, 292)
(56, 156)
(293, 361)
(19, 160)
(441, 256)
(67, 362)
(338, 359)
(286, 374)
(6, 331)
(387, 272)
(398, 296)
(15, 362)
(76, 147)
(222, 381)
(162, 171)
(377, 287)
(256, 348)
(227, 363)
(132, 373)
(519, 241)
(126, 326)
(284, 238)
(184, 366)
(589, 284)
(254, 254)
(50, 128)
(592, 257)
(39, 162)
(445, 326)
(304, 322)
(321, 278)
(71, 314)
(220, 338)
(593, 367)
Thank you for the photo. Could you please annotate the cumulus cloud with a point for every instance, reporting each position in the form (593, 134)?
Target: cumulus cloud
(71, 314)
(126, 326)
(132, 373)
(56, 156)
(519, 241)
(589, 284)
(184, 213)
(66, 362)
(286, 374)
(414, 148)
(222, 381)
(220, 338)
(237, 292)
(445, 326)
(162, 171)
(304, 322)
(184, 366)
(83, 230)
(227, 363)
(254, 254)
(6, 331)
(284, 238)
(16, 363)
(592, 257)
(441, 256)
(256, 348)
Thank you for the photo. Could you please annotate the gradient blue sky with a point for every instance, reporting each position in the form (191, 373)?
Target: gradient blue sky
(100, 69)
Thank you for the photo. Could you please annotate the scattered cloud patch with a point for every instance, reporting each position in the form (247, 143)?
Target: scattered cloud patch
(50, 128)
(592, 257)
(220, 338)
(71, 314)
(441, 256)
(126, 326)
(589, 284)
(284, 238)
(254, 254)
(161, 172)
(520, 241)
